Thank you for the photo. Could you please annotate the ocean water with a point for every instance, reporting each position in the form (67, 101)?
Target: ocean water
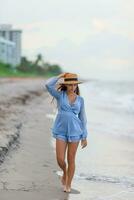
(115, 99)
(109, 156)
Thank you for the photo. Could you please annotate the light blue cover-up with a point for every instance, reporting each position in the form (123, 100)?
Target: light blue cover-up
(71, 117)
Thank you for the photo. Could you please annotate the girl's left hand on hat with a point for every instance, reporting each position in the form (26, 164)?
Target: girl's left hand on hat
(83, 143)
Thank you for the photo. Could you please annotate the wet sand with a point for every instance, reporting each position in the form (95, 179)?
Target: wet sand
(15, 93)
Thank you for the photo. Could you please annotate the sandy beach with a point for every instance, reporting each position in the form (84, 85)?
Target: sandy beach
(29, 169)
(29, 166)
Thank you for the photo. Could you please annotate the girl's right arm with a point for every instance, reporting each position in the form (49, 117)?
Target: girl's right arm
(50, 85)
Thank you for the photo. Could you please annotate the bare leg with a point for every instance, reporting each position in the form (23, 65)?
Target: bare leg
(72, 148)
(60, 155)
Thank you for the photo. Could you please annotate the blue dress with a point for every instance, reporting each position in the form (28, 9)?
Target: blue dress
(70, 122)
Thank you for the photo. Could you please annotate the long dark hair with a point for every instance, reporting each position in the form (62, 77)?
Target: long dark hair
(63, 87)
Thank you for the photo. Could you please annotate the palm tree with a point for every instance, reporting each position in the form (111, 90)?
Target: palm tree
(39, 62)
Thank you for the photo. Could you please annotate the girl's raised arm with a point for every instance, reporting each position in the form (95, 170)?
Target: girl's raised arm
(50, 85)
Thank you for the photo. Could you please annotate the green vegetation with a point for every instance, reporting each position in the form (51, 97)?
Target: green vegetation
(28, 68)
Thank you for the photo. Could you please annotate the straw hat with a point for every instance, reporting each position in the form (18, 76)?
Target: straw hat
(70, 78)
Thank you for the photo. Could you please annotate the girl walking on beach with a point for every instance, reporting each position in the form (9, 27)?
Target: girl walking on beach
(69, 127)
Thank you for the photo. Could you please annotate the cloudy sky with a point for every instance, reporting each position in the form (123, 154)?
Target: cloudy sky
(92, 38)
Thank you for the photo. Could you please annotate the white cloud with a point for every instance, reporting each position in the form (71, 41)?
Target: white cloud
(100, 24)
(52, 31)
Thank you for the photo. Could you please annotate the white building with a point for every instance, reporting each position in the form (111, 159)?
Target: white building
(6, 51)
(11, 37)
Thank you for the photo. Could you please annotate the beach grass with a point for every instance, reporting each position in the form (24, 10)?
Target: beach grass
(7, 71)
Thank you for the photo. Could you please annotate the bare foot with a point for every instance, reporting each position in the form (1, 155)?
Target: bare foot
(63, 179)
(67, 189)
